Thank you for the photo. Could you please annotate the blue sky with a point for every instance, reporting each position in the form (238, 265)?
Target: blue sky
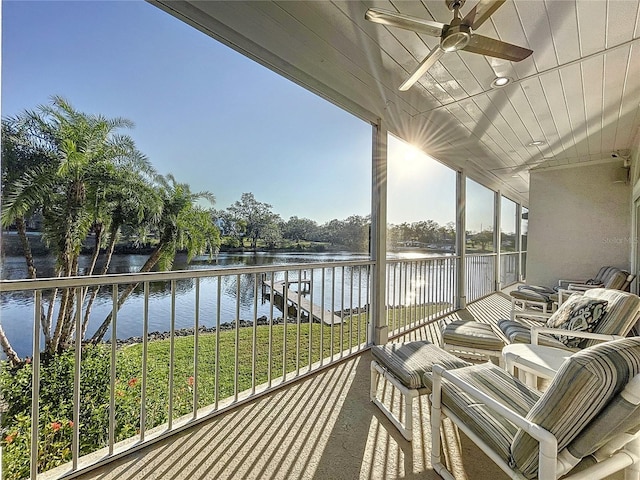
(205, 113)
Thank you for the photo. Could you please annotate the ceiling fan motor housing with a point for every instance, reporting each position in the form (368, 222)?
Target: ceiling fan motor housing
(455, 37)
(453, 4)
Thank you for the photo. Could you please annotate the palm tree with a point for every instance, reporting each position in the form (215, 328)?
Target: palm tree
(84, 155)
(129, 201)
(23, 163)
(182, 225)
(26, 167)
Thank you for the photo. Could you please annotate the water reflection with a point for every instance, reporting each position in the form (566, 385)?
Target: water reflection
(237, 293)
(229, 297)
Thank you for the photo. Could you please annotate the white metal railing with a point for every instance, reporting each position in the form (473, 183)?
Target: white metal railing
(235, 349)
(480, 275)
(509, 268)
(227, 362)
(419, 291)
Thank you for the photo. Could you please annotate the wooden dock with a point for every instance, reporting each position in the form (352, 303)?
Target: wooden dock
(298, 300)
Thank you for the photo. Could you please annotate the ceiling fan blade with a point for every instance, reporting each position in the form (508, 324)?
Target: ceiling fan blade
(481, 12)
(496, 48)
(433, 56)
(393, 19)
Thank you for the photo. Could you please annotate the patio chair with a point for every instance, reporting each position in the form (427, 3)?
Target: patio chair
(590, 412)
(528, 297)
(599, 310)
(607, 277)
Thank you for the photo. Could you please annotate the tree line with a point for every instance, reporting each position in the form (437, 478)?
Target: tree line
(255, 222)
(423, 232)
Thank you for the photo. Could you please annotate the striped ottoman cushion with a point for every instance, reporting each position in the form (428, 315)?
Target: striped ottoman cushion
(470, 334)
(537, 289)
(530, 295)
(582, 388)
(410, 361)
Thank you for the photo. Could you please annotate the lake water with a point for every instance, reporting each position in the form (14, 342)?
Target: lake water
(17, 308)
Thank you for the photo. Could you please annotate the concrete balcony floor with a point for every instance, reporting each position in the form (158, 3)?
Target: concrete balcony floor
(321, 427)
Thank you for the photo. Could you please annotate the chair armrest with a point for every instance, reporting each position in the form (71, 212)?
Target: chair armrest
(540, 361)
(581, 287)
(566, 292)
(565, 283)
(547, 441)
(532, 315)
(571, 333)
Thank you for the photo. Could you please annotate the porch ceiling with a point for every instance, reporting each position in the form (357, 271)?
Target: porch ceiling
(578, 92)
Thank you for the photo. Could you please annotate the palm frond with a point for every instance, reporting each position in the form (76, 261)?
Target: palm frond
(28, 193)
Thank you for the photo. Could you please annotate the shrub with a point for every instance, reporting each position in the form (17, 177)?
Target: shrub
(56, 410)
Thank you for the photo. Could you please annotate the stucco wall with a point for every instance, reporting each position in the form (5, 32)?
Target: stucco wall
(579, 220)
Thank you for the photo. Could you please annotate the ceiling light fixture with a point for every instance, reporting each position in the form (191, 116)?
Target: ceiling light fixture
(535, 143)
(500, 82)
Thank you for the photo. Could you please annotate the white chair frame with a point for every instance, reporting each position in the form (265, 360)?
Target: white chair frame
(404, 423)
(530, 366)
(521, 306)
(551, 464)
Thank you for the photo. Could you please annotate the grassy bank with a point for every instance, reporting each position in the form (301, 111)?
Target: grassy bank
(292, 346)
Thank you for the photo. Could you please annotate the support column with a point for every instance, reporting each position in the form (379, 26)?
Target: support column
(461, 238)
(379, 329)
(497, 229)
(518, 244)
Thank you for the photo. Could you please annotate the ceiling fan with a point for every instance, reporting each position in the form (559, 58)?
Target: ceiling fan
(458, 35)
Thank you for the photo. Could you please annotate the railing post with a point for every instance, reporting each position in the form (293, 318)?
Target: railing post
(379, 328)
(497, 237)
(35, 382)
(524, 243)
(461, 238)
(518, 244)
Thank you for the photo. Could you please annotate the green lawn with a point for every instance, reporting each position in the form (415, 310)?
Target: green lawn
(316, 341)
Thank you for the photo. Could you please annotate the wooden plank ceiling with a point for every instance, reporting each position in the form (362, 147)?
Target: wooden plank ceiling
(579, 92)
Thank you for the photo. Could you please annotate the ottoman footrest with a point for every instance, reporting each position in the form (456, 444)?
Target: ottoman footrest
(473, 339)
(527, 298)
(407, 366)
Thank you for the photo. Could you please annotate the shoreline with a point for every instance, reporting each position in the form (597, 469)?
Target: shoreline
(186, 332)
(262, 321)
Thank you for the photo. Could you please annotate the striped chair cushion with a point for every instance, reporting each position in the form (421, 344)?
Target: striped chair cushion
(619, 416)
(617, 280)
(410, 361)
(603, 274)
(621, 312)
(517, 332)
(490, 379)
(581, 389)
